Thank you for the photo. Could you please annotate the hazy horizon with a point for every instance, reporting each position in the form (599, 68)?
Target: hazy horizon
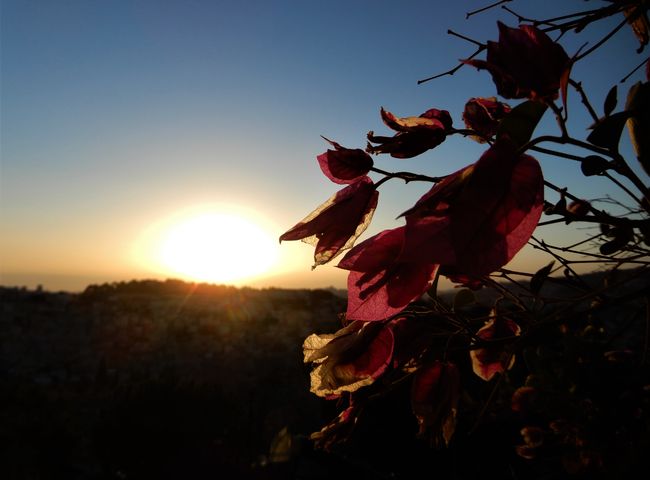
(77, 283)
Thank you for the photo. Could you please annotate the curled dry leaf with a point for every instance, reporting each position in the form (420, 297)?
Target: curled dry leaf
(336, 224)
(489, 360)
(350, 359)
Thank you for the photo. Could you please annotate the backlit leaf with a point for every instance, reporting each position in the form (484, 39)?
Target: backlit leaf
(611, 101)
(540, 277)
(519, 125)
(607, 131)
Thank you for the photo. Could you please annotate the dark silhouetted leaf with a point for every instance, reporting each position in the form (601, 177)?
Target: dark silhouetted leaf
(611, 101)
(558, 209)
(521, 122)
(607, 131)
(605, 229)
(540, 277)
(621, 237)
(594, 165)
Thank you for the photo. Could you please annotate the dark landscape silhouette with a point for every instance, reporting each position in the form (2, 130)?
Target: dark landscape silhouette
(150, 379)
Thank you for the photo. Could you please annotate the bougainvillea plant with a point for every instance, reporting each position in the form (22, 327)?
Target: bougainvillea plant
(570, 369)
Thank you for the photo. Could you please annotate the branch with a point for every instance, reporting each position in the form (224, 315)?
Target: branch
(453, 70)
(555, 153)
(467, 39)
(624, 188)
(635, 69)
(543, 246)
(621, 165)
(570, 141)
(585, 100)
(602, 40)
(561, 121)
(406, 176)
(599, 215)
(581, 19)
(521, 18)
(496, 4)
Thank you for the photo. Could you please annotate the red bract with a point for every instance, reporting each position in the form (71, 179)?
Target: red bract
(415, 135)
(336, 224)
(351, 358)
(525, 63)
(344, 165)
(380, 284)
(434, 398)
(490, 360)
(477, 219)
(483, 115)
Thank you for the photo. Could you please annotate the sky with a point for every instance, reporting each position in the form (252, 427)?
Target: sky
(122, 119)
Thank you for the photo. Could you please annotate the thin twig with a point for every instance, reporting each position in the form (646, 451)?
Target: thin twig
(585, 100)
(496, 4)
(621, 165)
(561, 121)
(623, 187)
(521, 18)
(453, 70)
(551, 222)
(600, 216)
(543, 246)
(590, 239)
(602, 41)
(634, 70)
(467, 39)
(585, 18)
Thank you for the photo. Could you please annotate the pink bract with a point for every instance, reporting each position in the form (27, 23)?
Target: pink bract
(336, 224)
(380, 285)
(525, 63)
(344, 165)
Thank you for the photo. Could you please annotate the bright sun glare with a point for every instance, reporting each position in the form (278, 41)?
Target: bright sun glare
(215, 247)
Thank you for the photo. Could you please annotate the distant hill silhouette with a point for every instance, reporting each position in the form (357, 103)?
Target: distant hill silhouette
(170, 379)
(151, 379)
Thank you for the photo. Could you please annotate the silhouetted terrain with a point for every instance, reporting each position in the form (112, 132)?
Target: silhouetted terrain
(154, 379)
(172, 380)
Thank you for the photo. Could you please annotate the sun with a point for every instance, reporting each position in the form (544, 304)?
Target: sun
(215, 247)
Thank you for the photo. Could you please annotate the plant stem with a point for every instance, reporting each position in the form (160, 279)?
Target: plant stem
(585, 101)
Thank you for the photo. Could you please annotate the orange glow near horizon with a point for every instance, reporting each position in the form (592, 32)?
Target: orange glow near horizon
(210, 244)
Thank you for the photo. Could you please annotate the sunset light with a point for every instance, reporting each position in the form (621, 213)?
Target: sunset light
(210, 246)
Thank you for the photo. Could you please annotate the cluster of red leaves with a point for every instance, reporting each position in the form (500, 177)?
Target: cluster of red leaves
(466, 226)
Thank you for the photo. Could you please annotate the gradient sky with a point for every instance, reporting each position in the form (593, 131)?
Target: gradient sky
(119, 115)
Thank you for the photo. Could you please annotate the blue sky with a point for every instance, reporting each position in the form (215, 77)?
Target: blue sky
(117, 114)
